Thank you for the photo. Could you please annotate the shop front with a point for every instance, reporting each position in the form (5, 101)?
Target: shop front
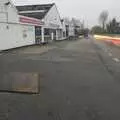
(52, 32)
(49, 34)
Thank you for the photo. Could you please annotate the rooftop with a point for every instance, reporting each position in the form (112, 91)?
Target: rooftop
(35, 11)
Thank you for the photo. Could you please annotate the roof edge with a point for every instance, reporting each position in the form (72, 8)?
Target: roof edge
(34, 4)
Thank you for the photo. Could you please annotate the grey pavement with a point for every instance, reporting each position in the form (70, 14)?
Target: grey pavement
(109, 55)
(74, 83)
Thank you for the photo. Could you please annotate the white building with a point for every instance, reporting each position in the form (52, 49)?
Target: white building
(72, 27)
(48, 13)
(64, 29)
(16, 31)
(8, 12)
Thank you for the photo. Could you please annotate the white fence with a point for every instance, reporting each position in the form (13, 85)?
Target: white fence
(16, 35)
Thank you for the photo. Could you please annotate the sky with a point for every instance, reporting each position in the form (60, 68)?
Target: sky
(85, 10)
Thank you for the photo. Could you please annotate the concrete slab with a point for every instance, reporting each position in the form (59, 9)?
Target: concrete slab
(20, 82)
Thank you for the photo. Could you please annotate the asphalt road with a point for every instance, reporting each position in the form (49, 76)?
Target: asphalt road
(74, 83)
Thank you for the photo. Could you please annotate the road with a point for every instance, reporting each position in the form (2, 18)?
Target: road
(76, 82)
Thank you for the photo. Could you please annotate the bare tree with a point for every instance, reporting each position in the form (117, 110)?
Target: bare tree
(103, 18)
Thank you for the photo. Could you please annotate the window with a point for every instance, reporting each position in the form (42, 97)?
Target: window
(38, 31)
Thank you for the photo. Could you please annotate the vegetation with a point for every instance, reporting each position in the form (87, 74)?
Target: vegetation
(97, 29)
(103, 18)
(110, 27)
(113, 27)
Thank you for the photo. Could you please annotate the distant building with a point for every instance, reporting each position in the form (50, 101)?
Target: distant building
(64, 29)
(47, 13)
(72, 27)
(76, 26)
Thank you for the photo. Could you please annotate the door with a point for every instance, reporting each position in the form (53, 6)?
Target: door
(38, 37)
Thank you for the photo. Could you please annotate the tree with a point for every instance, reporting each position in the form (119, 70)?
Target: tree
(103, 18)
(113, 27)
(97, 29)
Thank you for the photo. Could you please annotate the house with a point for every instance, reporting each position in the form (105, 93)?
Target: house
(65, 29)
(16, 30)
(47, 13)
(77, 26)
(73, 27)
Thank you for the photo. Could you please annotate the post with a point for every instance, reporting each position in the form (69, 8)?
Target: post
(56, 34)
(52, 36)
(42, 33)
(62, 35)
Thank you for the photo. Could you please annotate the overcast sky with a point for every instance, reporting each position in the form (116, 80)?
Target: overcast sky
(88, 10)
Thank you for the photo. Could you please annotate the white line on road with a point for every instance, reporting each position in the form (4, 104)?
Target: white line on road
(116, 59)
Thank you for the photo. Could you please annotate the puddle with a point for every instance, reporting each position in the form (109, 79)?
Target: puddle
(20, 82)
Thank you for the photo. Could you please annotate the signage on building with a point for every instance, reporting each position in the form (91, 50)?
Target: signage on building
(32, 21)
(53, 25)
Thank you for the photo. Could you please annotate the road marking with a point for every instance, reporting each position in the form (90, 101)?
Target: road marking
(116, 59)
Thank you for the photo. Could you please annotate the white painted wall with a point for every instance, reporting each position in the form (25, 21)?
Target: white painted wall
(3, 12)
(53, 18)
(3, 17)
(8, 13)
(13, 16)
(16, 35)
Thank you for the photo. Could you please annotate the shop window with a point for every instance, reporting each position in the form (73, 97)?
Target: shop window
(38, 31)
(47, 32)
